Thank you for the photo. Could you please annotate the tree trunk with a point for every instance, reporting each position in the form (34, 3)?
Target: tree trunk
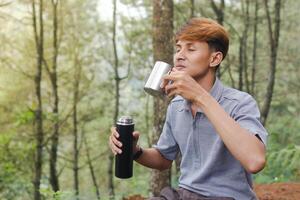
(117, 99)
(53, 77)
(243, 73)
(241, 64)
(254, 50)
(91, 167)
(39, 133)
(219, 11)
(77, 75)
(192, 8)
(147, 121)
(274, 40)
(163, 50)
(245, 45)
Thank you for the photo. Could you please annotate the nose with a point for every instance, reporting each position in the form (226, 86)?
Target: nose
(179, 55)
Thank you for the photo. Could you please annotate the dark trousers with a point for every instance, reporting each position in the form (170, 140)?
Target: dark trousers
(169, 193)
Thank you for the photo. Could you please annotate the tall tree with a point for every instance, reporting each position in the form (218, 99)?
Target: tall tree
(254, 54)
(243, 58)
(76, 83)
(52, 73)
(273, 42)
(118, 80)
(163, 50)
(39, 132)
(192, 2)
(219, 11)
(90, 164)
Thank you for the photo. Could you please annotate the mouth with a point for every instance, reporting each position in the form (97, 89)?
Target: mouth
(180, 67)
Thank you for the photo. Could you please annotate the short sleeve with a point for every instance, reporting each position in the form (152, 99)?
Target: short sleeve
(166, 143)
(248, 116)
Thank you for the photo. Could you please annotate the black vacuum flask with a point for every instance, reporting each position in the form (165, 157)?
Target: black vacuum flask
(124, 161)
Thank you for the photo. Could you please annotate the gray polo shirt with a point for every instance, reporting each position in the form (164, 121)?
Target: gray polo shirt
(207, 166)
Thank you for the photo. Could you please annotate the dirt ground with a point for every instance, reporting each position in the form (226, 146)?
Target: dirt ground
(278, 191)
(274, 191)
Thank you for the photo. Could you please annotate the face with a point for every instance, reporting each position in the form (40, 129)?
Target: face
(193, 57)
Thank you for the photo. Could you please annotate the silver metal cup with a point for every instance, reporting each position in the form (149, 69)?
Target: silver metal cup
(154, 81)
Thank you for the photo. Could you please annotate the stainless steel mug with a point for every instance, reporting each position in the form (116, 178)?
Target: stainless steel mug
(124, 161)
(152, 85)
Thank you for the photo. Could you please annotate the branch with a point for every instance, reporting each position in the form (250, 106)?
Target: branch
(36, 37)
(47, 68)
(12, 67)
(129, 64)
(95, 158)
(214, 6)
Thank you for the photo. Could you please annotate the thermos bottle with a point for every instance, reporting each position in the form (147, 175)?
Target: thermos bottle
(124, 161)
(152, 85)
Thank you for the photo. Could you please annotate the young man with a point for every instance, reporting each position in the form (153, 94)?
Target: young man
(215, 128)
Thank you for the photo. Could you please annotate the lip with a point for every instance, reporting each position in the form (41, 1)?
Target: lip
(180, 67)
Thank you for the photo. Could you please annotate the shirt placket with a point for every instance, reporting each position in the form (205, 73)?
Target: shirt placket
(196, 141)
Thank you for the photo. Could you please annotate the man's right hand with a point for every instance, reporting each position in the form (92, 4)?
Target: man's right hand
(116, 145)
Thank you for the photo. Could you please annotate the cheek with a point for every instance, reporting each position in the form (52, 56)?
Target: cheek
(200, 59)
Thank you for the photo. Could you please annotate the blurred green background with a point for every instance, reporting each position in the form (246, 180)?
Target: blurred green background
(78, 55)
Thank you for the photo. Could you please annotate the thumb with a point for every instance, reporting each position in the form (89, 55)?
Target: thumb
(136, 135)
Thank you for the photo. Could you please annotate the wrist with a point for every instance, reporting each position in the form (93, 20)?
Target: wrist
(202, 99)
(136, 149)
(137, 153)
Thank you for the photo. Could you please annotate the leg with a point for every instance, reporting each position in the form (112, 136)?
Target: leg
(167, 193)
(188, 195)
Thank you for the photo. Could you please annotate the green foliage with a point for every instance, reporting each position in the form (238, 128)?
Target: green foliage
(85, 41)
(283, 152)
(25, 117)
(49, 194)
(14, 177)
(283, 165)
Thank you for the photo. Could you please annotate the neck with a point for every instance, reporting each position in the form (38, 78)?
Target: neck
(207, 81)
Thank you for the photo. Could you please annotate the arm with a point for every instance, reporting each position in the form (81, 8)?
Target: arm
(237, 139)
(152, 158)
(244, 146)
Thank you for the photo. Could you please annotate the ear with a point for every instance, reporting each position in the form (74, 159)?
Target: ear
(216, 59)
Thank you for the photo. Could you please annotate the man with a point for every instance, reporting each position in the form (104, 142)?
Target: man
(215, 128)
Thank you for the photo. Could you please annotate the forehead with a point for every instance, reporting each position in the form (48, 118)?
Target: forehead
(188, 43)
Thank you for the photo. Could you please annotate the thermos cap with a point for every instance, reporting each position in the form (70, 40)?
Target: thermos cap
(125, 120)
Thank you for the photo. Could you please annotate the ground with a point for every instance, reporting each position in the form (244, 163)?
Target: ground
(278, 191)
(274, 191)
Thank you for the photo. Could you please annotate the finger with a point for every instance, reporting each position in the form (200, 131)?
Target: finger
(114, 147)
(172, 93)
(163, 83)
(114, 132)
(116, 142)
(166, 82)
(170, 77)
(174, 69)
(170, 87)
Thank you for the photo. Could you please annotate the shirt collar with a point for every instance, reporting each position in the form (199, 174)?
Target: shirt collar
(215, 92)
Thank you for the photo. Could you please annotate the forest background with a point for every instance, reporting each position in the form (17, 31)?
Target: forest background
(70, 68)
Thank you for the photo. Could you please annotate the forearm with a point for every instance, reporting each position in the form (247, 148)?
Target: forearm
(153, 159)
(243, 145)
